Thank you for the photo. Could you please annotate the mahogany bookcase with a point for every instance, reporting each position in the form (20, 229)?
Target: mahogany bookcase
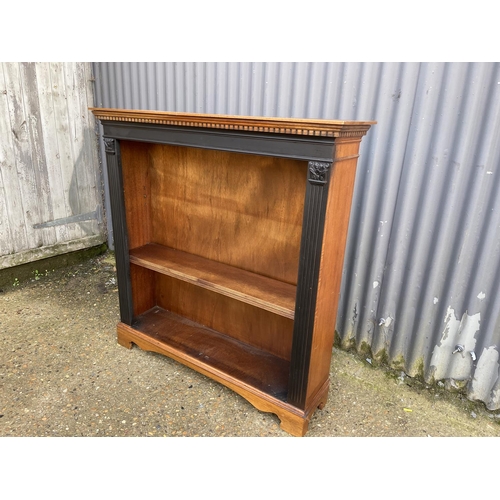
(229, 236)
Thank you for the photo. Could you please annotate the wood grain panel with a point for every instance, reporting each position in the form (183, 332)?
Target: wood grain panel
(13, 237)
(137, 191)
(143, 289)
(241, 321)
(242, 210)
(64, 160)
(37, 176)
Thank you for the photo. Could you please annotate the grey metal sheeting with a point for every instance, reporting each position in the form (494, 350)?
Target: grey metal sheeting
(422, 263)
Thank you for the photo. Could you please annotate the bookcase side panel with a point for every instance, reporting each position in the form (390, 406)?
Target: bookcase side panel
(332, 258)
(137, 192)
(142, 282)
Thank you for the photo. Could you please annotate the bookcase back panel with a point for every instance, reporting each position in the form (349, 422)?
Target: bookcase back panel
(236, 319)
(240, 209)
(142, 282)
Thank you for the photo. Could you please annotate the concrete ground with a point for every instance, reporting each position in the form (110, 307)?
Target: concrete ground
(62, 373)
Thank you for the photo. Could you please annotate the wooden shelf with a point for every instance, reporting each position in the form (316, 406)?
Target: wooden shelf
(214, 352)
(260, 291)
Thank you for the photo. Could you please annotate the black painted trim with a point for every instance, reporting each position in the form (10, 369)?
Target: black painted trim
(266, 144)
(307, 285)
(120, 234)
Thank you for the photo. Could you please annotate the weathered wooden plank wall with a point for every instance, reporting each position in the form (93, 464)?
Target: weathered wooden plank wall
(51, 199)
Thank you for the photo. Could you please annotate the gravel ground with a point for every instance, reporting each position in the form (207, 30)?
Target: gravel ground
(62, 373)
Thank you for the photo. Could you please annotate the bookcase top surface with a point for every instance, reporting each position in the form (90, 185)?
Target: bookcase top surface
(297, 126)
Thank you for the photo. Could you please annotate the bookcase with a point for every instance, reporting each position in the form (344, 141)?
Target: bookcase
(229, 236)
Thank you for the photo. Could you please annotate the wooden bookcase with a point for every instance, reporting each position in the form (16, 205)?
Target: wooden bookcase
(229, 238)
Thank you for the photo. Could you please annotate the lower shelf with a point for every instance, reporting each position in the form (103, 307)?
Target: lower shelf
(215, 352)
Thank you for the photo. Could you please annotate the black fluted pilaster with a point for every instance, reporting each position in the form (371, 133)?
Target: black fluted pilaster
(120, 236)
(307, 285)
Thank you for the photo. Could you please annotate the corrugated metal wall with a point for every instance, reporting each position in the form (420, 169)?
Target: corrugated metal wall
(422, 267)
(50, 181)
